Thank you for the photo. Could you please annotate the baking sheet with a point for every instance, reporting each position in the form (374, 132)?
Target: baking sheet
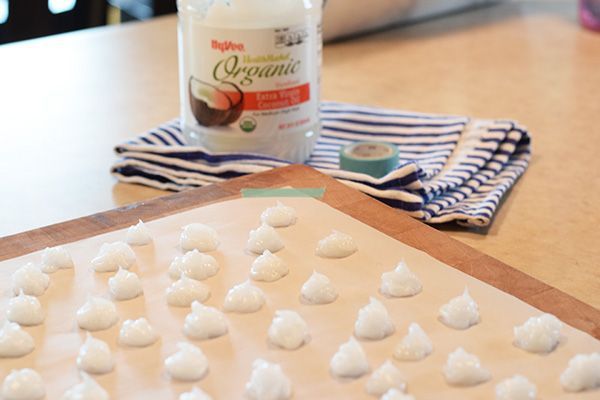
(139, 373)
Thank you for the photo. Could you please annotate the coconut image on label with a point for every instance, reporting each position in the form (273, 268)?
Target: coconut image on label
(214, 105)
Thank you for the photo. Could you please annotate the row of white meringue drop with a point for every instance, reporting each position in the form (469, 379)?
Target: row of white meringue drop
(374, 323)
(193, 267)
(98, 313)
(540, 334)
(189, 363)
(25, 309)
(197, 236)
(27, 384)
(288, 330)
(462, 369)
(33, 280)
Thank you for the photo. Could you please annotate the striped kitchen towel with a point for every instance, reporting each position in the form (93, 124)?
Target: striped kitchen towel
(451, 168)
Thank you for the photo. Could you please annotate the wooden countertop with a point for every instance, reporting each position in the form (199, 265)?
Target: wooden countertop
(66, 101)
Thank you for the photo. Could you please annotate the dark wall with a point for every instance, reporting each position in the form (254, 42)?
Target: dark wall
(29, 19)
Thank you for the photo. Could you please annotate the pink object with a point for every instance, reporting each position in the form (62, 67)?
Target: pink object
(589, 14)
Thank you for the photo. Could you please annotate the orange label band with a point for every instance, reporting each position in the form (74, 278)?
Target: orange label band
(276, 99)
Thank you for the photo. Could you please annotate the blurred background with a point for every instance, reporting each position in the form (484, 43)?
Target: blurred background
(27, 19)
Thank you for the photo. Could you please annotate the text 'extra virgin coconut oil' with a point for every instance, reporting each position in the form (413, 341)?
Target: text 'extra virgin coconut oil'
(249, 75)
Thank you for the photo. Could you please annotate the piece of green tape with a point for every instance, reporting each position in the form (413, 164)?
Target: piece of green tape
(372, 158)
(284, 192)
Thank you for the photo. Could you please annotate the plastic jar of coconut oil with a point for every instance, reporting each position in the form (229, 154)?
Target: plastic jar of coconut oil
(250, 75)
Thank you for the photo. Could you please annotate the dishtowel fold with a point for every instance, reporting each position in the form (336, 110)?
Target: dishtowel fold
(451, 168)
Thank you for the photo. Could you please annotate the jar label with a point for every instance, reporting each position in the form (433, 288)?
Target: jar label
(253, 81)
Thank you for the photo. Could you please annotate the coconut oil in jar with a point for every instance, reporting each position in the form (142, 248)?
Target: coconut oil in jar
(250, 75)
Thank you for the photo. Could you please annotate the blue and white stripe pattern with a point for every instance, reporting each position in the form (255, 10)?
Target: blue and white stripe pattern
(451, 168)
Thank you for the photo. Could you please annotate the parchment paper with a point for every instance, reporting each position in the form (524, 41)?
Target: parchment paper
(139, 373)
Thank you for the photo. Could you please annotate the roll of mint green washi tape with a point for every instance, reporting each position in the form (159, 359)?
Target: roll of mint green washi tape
(371, 158)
